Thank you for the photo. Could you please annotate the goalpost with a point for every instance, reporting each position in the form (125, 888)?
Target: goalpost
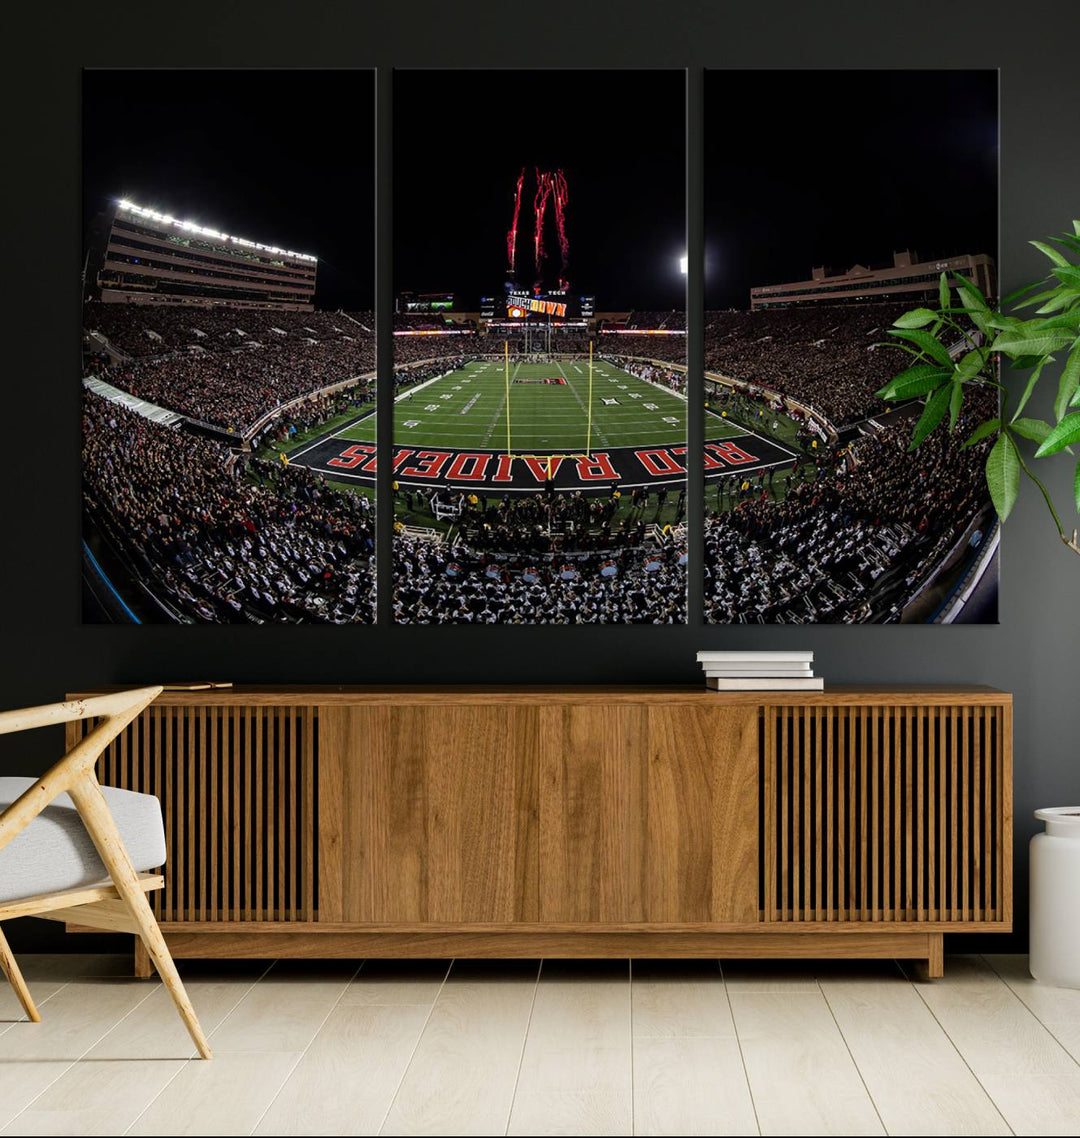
(548, 458)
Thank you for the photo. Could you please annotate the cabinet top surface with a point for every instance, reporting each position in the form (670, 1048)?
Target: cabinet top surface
(695, 694)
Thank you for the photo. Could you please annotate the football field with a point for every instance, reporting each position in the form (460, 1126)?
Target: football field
(470, 409)
(478, 425)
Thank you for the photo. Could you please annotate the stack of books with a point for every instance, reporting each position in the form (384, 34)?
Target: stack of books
(760, 671)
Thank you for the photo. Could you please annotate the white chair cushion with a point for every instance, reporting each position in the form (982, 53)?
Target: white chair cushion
(55, 852)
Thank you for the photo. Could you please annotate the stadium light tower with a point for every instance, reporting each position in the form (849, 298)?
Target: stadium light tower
(683, 262)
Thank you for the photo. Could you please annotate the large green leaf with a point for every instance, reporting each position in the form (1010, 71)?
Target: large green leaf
(1033, 379)
(977, 312)
(1016, 294)
(1064, 434)
(925, 342)
(1068, 274)
(943, 291)
(1068, 384)
(971, 363)
(1031, 341)
(1003, 475)
(972, 288)
(933, 413)
(956, 402)
(1034, 429)
(1051, 252)
(915, 381)
(982, 431)
(1039, 297)
(1063, 298)
(916, 318)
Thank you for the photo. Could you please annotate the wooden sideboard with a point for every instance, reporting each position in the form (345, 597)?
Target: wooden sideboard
(576, 821)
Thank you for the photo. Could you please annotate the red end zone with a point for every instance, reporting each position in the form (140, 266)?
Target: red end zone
(496, 471)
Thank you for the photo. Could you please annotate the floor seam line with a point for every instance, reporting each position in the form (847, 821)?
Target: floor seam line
(416, 1047)
(304, 1051)
(1038, 1019)
(524, 1043)
(854, 1061)
(963, 1057)
(738, 1042)
(184, 1064)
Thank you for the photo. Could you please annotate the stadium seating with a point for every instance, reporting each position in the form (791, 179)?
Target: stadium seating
(826, 357)
(219, 542)
(852, 545)
(229, 367)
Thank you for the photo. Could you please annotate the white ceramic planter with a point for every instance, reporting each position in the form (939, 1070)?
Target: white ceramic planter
(1055, 898)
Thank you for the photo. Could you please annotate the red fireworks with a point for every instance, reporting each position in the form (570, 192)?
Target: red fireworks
(543, 192)
(550, 184)
(511, 233)
(562, 196)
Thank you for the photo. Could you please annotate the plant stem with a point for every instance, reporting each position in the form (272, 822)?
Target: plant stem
(1072, 543)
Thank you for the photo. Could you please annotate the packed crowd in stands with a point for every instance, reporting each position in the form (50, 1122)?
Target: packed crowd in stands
(228, 367)
(315, 412)
(673, 321)
(218, 543)
(440, 583)
(827, 357)
(548, 523)
(855, 542)
(669, 348)
(235, 390)
(414, 349)
(148, 330)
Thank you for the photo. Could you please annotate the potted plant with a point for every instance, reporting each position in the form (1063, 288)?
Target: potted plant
(958, 346)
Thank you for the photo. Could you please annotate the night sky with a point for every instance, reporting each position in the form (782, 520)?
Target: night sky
(461, 139)
(835, 168)
(802, 169)
(284, 158)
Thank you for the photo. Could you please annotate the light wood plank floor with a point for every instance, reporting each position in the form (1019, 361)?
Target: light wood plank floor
(559, 1047)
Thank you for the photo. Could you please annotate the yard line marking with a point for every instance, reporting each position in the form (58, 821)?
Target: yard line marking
(585, 411)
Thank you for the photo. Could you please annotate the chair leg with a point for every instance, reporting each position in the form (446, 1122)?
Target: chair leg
(15, 979)
(106, 838)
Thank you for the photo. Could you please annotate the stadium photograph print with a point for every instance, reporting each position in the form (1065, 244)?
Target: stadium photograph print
(227, 330)
(833, 207)
(539, 349)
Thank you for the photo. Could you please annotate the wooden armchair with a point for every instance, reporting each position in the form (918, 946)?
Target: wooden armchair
(55, 873)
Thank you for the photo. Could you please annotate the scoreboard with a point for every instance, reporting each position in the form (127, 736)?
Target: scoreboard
(518, 303)
(426, 302)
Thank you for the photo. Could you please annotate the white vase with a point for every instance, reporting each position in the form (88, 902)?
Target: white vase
(1055, 898)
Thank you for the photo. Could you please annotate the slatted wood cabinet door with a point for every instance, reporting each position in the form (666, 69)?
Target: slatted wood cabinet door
(888, 813)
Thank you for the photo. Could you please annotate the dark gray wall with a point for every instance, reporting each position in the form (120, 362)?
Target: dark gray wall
(45, 650)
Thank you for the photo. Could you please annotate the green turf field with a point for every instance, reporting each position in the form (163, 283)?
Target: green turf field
(468, 409)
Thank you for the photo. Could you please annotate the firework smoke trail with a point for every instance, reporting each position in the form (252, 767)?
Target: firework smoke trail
(562, 196)
(511, 233)
(543, 192)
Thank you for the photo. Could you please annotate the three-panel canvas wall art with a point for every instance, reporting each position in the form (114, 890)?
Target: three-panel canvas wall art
(540, 388)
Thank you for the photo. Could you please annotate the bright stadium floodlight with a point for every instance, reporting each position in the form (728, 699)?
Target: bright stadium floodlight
(683, 263)
(206, 231)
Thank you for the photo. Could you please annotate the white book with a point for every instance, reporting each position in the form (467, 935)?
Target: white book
(759, 674)
(755, 657)
(761, 669)
(765, 684)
